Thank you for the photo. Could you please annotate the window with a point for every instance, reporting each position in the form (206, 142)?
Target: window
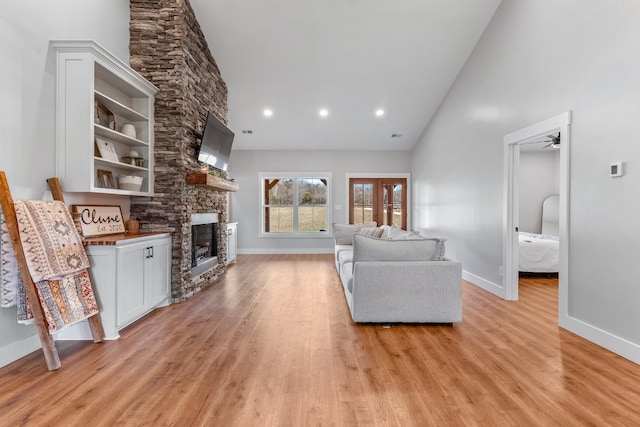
(295, 203)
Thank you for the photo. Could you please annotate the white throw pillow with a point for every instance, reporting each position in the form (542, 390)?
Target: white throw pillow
(343, 233)
(396, 233)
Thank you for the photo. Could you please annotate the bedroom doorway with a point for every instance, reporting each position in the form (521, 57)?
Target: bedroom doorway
(560, 126)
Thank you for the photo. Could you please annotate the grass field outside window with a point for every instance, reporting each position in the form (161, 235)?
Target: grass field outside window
(295, 204)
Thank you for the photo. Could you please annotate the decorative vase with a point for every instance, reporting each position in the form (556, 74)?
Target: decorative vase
(133, 226)
(129, 130)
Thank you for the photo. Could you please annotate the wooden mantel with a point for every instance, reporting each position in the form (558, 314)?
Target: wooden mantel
(212, 182)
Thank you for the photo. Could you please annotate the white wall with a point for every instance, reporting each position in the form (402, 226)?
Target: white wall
(538, 59)
(27, 115)
(245, 204)
(538, 180)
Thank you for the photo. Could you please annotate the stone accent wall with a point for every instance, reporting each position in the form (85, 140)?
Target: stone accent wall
(168, 48)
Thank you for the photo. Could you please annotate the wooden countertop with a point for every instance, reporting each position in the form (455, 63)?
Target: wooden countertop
(122, 238)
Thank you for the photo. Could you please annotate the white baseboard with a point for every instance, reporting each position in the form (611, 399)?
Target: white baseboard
(611, 342)
(488, 286)
(82, 332)
(279, 251)
(18, 349)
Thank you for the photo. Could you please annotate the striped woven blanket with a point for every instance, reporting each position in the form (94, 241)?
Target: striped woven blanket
(49, 239)
(57, 263)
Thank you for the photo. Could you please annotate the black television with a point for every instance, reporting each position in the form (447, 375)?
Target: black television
(217, 139)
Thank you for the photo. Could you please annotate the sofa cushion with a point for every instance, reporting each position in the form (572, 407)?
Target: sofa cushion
(371, 232)
(343, 233)
(370, 249)
(344, 257)
(341, 248)
(346, 277)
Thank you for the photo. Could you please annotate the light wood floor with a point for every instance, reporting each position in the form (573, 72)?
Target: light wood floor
(272, 344)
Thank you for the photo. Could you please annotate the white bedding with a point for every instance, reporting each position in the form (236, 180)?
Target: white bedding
(538, 253)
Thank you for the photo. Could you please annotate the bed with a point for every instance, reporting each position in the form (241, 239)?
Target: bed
(540, 253)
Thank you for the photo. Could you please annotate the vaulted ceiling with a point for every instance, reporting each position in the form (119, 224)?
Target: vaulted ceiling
(349, 57)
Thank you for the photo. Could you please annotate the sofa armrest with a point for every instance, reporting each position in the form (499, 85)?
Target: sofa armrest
(412, 291)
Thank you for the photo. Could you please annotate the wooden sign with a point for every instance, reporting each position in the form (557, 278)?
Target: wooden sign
(99, 220)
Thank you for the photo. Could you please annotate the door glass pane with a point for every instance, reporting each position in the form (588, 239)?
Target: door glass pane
(363, 198)
(392, 205)
(312, 205)
(385, 205)
(397, 205)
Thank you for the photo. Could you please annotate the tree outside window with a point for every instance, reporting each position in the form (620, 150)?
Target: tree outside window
(295, 204)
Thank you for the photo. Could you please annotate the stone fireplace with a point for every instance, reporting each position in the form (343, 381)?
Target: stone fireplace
(168, 48)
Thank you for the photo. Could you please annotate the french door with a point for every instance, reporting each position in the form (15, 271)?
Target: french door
(383, 200)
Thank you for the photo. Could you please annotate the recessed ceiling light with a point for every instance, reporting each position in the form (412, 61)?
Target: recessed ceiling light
(267, 113)
(396, 135)
(323, 112)
(380, 112)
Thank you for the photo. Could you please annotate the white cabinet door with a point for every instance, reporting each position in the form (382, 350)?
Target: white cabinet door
(158, 272)
(131, 279)
(143, 278)
(103, 278)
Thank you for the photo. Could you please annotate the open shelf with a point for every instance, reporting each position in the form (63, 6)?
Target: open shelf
(119, 165)
(117, 108)
(116, 136)
(90, 82)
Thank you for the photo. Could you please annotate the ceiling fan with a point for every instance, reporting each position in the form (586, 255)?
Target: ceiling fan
(553, 140)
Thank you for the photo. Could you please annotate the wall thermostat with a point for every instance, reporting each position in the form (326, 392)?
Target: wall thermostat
(615, 169)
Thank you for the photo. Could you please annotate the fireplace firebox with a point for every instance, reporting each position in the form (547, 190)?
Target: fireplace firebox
(204, 242)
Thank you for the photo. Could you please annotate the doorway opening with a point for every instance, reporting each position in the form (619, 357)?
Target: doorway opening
(513, 142)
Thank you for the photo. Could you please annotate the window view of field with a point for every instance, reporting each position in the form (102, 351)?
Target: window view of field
(310, 218)
(306, 196)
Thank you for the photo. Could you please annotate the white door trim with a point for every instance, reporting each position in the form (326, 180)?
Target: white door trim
(560, 123)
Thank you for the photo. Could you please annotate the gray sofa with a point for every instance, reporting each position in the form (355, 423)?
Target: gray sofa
(402, 280)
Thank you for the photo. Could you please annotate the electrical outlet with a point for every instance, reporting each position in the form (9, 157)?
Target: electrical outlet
(501, 270)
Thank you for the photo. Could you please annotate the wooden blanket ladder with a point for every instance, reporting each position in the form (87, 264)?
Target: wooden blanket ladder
(48, 344)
